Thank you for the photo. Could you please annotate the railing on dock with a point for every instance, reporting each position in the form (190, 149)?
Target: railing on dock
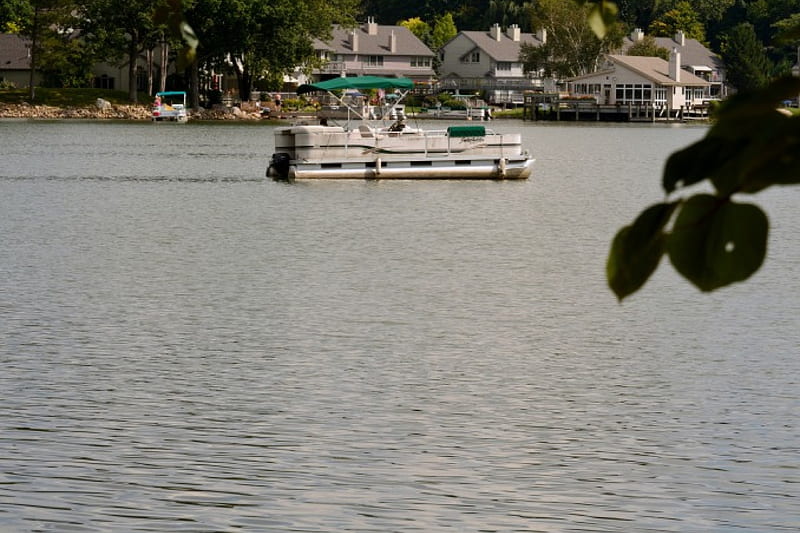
(553, 107)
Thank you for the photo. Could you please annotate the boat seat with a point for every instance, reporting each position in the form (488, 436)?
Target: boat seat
(366, 131)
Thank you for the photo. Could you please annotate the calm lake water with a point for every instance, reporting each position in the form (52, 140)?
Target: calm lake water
(188, 347)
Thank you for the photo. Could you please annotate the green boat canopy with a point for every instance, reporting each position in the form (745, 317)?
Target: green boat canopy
(360, 82)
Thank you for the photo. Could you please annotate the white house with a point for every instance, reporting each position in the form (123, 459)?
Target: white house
(488, 61)
(639, 80)
(374, 50)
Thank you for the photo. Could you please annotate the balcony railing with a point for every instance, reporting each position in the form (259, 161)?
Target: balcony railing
(332, 67)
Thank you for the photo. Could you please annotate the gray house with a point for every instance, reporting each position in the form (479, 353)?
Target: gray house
(15, 60)
(374, 50)
(489, 61)
(695, 58)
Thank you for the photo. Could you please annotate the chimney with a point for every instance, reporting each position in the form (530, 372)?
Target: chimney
(372, 26)
(354, 40)
(542, 35)
(680, 38)
(675, 65)
(637, 35)
(392, 42)
(513, 33)
(494, 31)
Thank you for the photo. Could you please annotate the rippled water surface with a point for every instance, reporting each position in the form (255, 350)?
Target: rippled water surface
(186, 346)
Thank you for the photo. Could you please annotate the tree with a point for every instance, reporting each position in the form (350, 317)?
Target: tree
(444, 29)
(55, 51)
(417, 26)
(682, 17)
(648, 47)
(120, 29)
(265, 39)
(747, 65)
(711, 11)
(13, 13)
(572, 47)
(638, 13)
(507, 12)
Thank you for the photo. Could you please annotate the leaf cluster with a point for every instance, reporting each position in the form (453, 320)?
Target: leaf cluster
(712, 239)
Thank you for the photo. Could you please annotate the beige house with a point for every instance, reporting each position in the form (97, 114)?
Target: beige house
(373, 50)
(695, 58)
(489, 61)
(642, 81)
(15, 64)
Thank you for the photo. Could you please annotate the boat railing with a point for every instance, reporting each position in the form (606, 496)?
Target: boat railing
(382, 138)
(473, 133)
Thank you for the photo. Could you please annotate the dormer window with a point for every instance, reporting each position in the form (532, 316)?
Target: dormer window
(472, 57)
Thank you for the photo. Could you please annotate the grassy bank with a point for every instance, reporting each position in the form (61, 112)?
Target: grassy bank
(67, 97)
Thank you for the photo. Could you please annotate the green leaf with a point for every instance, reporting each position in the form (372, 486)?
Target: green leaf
(751, 146)
(596, 22)
(188, 53)
(715, 242)
(771, 159)
(637, 249)
(749, 113)
(170, 14)
(602, 15)
(698, 161)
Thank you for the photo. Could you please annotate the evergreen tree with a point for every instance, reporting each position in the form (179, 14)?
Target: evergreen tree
(746, 62)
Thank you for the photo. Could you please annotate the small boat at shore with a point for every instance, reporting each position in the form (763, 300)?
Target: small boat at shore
(170, 106)
(398, 151)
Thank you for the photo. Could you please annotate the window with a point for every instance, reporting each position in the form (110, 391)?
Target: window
(420, 61)
(141, 79)
(634, 93)
(503, 66)
(373, 61)
(472, 57)
(104, 82)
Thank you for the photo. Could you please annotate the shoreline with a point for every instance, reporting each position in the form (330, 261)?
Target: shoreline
(115, 112)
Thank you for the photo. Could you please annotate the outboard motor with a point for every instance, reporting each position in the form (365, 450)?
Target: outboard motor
(279, 166)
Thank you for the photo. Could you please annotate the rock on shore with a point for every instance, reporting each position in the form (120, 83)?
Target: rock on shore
(118, 112)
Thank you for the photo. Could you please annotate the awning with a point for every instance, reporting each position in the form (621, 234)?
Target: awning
(360, 82)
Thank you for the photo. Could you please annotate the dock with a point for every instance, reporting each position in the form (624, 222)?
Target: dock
(554, 108)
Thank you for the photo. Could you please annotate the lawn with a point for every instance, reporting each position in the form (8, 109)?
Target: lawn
(67, 97)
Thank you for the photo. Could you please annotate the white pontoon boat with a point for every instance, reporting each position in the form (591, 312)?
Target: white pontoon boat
(371, 151)
(170, 105)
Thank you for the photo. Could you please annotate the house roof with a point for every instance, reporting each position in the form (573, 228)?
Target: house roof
(407, 44)
(506, 49)
(14, 52)
(692, 51)
(654, 69)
